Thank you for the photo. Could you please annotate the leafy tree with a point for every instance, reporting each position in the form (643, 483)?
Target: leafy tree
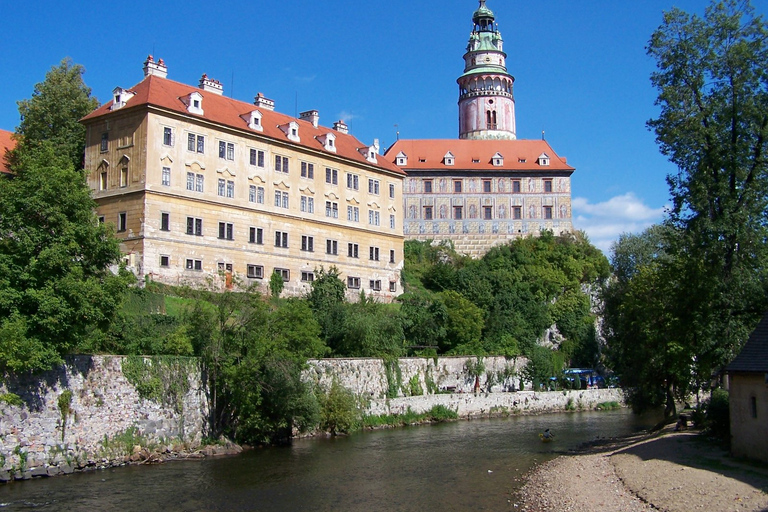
(370, 329)
(463, 322)
(294, 332)
(712, 80)
(326, 298)
(56, 289)
(52, 115)
(276, 284)
(423, 316)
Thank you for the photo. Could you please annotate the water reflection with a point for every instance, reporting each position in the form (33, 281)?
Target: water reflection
(455, 466)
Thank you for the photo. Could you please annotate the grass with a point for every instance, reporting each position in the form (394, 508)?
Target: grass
(436, 414)
(608, 406)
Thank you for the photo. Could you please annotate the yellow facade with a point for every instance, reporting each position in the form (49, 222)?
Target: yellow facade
(185, 213)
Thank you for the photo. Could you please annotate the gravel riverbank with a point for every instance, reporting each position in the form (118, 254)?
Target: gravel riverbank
(668, 471)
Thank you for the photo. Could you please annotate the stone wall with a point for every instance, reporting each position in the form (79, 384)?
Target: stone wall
(107, 417)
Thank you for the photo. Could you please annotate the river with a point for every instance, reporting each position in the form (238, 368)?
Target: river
(464, 465)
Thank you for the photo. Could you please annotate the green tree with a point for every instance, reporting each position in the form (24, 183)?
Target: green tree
(53, 113)
(423, 317)
(463, 323)
(326, 298)
(371, 329)
(276, 284)
(56, 289)
(712, 79)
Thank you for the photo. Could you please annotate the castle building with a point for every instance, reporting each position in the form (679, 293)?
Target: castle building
(486, 187)
(201, 185)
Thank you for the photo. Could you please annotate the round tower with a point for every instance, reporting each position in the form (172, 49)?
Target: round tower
(486, 101)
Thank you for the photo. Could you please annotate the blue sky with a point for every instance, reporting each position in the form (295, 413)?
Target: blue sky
(582, 74)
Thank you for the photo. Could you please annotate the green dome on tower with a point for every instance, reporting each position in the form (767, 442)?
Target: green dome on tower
(482, 12)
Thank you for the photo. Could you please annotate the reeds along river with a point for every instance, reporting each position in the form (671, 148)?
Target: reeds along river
(464, 465)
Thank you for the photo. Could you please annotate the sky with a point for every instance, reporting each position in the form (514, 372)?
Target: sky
(581, 72)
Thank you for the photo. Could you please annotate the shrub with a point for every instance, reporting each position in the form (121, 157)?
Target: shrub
(718, 415)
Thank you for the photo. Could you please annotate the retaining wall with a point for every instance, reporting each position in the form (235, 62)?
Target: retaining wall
(104, 411)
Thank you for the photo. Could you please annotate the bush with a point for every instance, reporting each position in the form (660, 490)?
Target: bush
(718, 415)
(338, 410)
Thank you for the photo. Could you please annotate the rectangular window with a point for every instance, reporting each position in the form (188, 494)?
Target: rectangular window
(516, 186)
(307, 170)
(373, 187)
(281, 163)
(103, 181)
(165, 221)
(427, 186)
(374, 218)
(332, 209)
(260, 195)
(307, 204)
(353, 282)
(194, 226)
(255, 271)
(281, 199)
(332, 247)
(222, 186)
(166, 177)
(486, 186)
(308, 243)
(284, 273)
(122, 221)
(373, 253)
(352, 250)
(307, 277)
(547, 212)
(391, 191)
(199, 183)
(257, 157)
(281, 239)
(102, 219)
(252, 157)
(124, 177)
(167, 136)
(260, 161)
(457, 212)
(375, 285)
(391, 222)
(194, 264)
(517, 212)
(226, 231)
(457, 186)
(427, 213)
(230, 189)
(190, 181)
(547, 185)
(391, 255)
(251, 193)
(753, 407)
(353, 181)
(487, 212)
(223, 149)
(104, 146)
(331, 176)
(195, 143)
(256, 236)
(353, 213)
(165, 261)
(393, 286)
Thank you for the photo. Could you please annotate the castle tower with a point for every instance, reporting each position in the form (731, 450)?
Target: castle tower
(486, 101)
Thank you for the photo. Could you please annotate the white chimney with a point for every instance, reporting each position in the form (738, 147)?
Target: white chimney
(155, 68)
(265, 103)
(313, 116)
(211, 85)
(340, 126)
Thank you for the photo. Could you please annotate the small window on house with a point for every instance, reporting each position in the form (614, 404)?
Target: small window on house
(458, 212)
(104, 146)
(255, 271)
(516, 186)
(353, 282)
(284, 273)
(427, 186)
(124, 177)
(753, 407)
(427, 213)
(375, 285)
(391, 191)
(547, 212)
(103, 181)
(486, 186)
(487, 212)
(256, 236)
(165, 221)
(391, 255)
(122, 221)
(307, 277)
(167, 136)
(517, 212)
(547, 185)
(165, 261)
(457, 186)
(393, 286)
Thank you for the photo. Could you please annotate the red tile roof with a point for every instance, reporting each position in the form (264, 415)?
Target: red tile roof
(167, 94)
(522, 155)
(6, 143)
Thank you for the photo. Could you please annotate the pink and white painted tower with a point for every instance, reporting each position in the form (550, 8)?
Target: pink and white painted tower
(486, 101)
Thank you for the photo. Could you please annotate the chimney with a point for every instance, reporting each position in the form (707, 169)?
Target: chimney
(155, 68)
(376, 145)
(313, 116)
(211, 85)
(340, 126)
(265, 103)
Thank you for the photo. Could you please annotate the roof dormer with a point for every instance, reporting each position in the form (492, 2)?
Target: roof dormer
(497, 159)
(401, 159)
(194, 101)
(543, 159)
(328, 140)
(253, 118)
(449, 159)
(369, 152)
(121, 97)
(291, 130)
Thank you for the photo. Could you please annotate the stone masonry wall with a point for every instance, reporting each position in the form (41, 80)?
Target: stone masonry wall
(105, 409)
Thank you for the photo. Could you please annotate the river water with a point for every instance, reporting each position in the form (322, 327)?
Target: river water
(464, 465)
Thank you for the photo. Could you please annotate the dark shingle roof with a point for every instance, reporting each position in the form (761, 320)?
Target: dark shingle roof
(754, 356)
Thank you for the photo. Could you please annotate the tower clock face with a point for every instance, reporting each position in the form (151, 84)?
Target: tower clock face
(487, 59)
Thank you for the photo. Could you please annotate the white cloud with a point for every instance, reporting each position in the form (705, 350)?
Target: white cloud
(347, 116)
(604, 222)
